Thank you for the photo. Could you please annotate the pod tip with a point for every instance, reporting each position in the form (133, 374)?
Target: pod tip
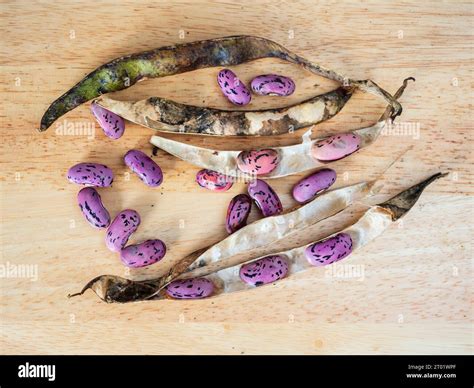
(400, 204)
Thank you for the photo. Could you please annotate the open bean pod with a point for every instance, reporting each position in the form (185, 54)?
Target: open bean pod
(261, 233)
(329, 250)
(279, 161)
(225, 278)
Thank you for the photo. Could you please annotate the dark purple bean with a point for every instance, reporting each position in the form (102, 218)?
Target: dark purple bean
(121, 228)
(143, 254)
(238, 212)
(92, 208)
(146, 169)
(91, 174)
(307, 188)
(265, 198)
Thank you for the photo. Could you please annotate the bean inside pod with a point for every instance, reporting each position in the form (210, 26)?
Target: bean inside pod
(258, 162)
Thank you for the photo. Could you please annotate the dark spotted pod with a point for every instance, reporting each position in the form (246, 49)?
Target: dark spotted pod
(272, 85)
(196, 288)
(258, 162)
(213, 180)
(141, 255)
(307, 188)
(92, 208)
(264, 271)
(238, 212)
(265, 198)
(91, 174)
(146, 169)
(330, 250)
(121, 228)
(234, 89)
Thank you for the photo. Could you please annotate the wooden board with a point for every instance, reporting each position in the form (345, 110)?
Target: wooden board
(413, 291)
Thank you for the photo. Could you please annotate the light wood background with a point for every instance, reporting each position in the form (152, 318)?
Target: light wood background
(415, 295)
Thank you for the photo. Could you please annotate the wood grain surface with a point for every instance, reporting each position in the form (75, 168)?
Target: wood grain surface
(410, 291)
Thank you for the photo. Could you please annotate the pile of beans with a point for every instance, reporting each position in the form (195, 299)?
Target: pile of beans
(265, 85)
(127, 221)
(257, 163)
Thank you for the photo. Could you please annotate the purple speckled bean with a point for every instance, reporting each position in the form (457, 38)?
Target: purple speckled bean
(143, 254)
(213, 180)
(234, 89)
(121, 228)
(91, 174)
(264, 271)
(265, 198)
(111, 123)
(92, 208)
(336, 147)
(146, 169)
(258, 162)
(330, 250)
(238, 212)
(307, 188)
(190, 288)
(272, 85)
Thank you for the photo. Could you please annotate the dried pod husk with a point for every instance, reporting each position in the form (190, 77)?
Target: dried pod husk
(223, 274)
(261, 233)
(291, 159)
(116, 289)
(169, 116)
(326, 251)
(126, 71)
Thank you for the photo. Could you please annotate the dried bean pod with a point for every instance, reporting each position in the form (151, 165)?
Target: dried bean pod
(213, 180)
(293, 159)
(196, 288)
(264, 271)
(233, 88)
(265, 198)
(371, 225)
(146, 169)
(328, 251)
(124, 72)
(272, 85)
(91, 174)
(307, 188)
(92, 208)
(238, 212)
(143, 254)
(121, 228)
(170, 116)
(111, 123)
(258, 162)
(336, 147)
